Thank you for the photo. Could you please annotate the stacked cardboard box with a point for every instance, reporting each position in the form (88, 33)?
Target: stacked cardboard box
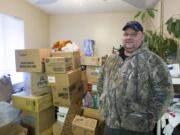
(62, 85)
(38, 112)
(36, 101)
(64, 78)
(65, 82)
(31, 61)
(93, 65)
(39, 123)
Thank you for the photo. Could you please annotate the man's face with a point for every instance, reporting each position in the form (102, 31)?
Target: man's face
(132, 39)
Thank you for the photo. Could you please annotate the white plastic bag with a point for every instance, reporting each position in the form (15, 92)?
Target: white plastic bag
(8, 113)
(70, 47)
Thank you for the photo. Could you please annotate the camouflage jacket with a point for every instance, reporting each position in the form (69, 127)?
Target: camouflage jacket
(135, 92)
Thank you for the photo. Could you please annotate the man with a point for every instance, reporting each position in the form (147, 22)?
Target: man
(135, 86)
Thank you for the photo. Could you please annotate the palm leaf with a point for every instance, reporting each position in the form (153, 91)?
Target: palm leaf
(138, 14)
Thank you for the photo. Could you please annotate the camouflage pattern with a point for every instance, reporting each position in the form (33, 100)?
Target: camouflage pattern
(135, 92)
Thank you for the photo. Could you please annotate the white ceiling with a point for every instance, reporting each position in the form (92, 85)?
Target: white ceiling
(91, 6)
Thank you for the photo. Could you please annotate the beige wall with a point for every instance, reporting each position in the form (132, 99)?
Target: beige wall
(105, 29)
(170, 8)
(36, 22)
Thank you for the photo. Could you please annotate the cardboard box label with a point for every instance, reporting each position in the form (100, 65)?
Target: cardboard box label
(51, 79)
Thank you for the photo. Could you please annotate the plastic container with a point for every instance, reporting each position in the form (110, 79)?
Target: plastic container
(89, 46)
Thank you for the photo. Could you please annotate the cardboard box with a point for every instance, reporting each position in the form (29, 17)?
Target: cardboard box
(92, 73)
(31, 60)
(27, 102)
(93, 113)
(91, 61)
(39, 123)
(36, 84)
(64, 80)
(84, 126)
(13, 129)
(57, 128)
(74, 55)
(58, 64)
(65, 96)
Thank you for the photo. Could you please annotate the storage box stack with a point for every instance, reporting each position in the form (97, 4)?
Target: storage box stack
(36, 101)
(31, 61)
(91, 98)
(64, 78)
(38, 112)
(93, 67)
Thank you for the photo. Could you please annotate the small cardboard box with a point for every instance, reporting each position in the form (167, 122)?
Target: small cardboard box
(27, 102)
(93, 113)
(58, 64)
(39, 123)
(84, 126)
(13, 129)
(65, 96)
(74, 55)
(64, 80)
(91, 61)
(36, 83)
(92, 73)
(31, 60)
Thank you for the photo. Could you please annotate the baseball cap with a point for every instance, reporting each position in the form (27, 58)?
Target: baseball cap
(134, 25)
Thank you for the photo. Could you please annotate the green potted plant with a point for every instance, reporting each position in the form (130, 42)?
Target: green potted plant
(157, 41)
(162, 46)
(173, 26)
